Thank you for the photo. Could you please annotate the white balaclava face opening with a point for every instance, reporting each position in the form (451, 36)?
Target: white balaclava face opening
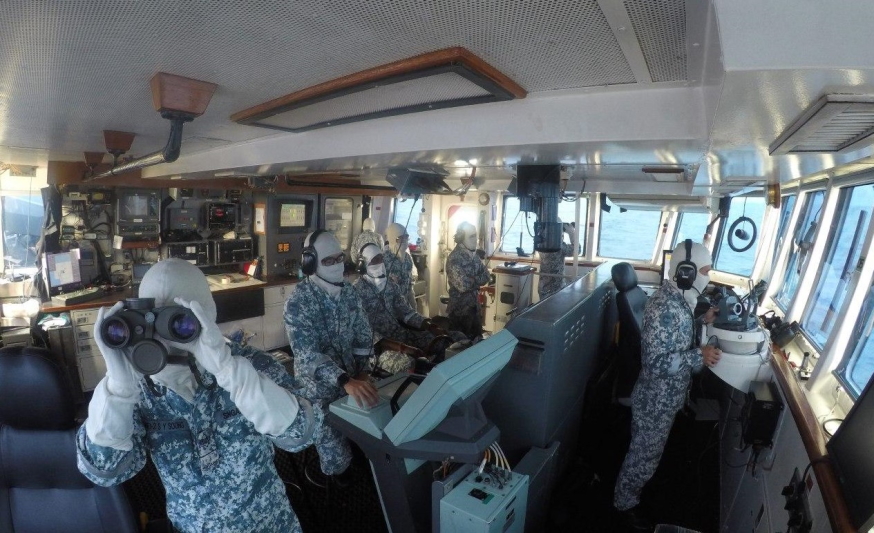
(393, 235)
(469, 240)
(700, 255)
(167, 280)
(375, 270)
(330, 277)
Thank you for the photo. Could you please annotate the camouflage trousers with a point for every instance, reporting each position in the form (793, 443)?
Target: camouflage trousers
(651, 423)
(335, 452)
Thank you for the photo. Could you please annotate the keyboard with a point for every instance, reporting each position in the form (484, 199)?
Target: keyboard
(77, 297)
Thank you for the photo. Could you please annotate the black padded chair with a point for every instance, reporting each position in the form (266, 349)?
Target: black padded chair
(630, 302)
(41, 490)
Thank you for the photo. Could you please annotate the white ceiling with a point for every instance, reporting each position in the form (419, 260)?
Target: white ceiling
(613, 85)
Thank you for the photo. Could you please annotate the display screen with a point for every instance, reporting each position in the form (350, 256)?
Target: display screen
(292, 215)
(137, 206)
(62, 270)
(850, 453)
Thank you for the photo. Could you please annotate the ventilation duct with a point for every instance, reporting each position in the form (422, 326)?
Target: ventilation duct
(834, 123)
(445, 78)
(179, 100)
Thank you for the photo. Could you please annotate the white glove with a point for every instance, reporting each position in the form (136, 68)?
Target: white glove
(269, 407)
(110, 413)
(120, 375)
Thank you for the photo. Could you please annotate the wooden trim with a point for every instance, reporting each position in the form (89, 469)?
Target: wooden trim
(428, 60)
(814, 442)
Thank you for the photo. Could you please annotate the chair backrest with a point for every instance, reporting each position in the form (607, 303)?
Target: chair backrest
(41, 489)
(630, 299)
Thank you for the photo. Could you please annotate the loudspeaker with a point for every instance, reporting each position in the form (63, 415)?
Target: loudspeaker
(760, 414)
(309, 258)
(686, 270)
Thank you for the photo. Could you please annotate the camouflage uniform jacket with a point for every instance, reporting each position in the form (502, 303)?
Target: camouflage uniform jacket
(667, 356)
(217, 470)
(328, 336)
(552, 263)
(399, 270)
(466, 274)
(385, 308)
(363, 238)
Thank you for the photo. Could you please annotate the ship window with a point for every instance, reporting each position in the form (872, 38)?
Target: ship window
(691, 226)
(843, 253)
(858, 365)
(785, 215)
(406, 213)
(21, 224)
(518, 226)
(802, 242)
(741, 263)
(630, 234)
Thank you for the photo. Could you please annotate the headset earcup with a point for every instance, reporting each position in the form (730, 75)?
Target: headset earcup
(361, 267)
(308, 261)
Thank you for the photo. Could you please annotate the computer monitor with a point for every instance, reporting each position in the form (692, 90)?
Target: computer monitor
(850, 453)
(666, 261)
(62, 271)
(292, 215)
(139, 270)
(453, 380)
(138, 206)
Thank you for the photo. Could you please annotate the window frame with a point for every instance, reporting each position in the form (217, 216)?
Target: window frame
(651, 258)
(798, 228)
(831, 218)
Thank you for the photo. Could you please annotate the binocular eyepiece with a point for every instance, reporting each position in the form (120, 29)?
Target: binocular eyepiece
(138, 325)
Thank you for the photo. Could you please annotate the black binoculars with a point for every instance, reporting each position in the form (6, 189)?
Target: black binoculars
(138, 324)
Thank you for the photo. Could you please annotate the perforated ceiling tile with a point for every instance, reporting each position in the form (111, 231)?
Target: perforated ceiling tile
(660, 26)
(69, 69)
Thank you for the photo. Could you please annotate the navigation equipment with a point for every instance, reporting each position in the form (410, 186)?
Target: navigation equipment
(292, 215)
(449, 385)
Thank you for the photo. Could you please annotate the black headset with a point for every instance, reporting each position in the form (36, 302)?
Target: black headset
(309, 258)
(686, 270)
(361, 265)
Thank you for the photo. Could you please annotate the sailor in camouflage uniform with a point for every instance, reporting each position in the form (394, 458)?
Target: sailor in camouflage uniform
(465, 272)
(386, 309)
(368, 235)
(398, 263)
(553, 263)
(669, 355)
(211, 441)
(331, 340)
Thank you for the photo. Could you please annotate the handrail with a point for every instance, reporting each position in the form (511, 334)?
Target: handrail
(814, 444)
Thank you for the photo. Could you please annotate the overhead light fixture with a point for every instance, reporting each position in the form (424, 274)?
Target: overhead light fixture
(446, 78)
(665, 174)
(834, 123)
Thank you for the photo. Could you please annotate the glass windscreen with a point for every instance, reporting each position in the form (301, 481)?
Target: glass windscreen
(691, 226)
(630, 234)
(406, 214)
(740, 231)
(802, 242)
(518, 226)
(843, 250)
(785, 214)
(858, 365)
